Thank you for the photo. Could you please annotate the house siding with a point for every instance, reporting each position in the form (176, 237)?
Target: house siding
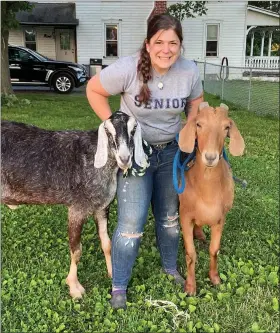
(44, 45)
(16, 37)
(231, 18)
(260, 19)
(131, 16)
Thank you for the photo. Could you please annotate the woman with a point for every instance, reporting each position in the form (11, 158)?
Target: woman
(155, 86)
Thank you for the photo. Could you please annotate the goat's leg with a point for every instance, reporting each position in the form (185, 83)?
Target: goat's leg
(75, 225)
(216, 234)
(187, 229)
(101, 219)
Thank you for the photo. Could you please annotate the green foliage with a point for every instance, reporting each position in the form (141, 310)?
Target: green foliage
(11, 100)
(35, 254)
(9, 10)
(258, 42)
(187, 9)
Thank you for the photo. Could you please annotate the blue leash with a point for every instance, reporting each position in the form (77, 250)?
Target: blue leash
(182, 167)
(185, 167)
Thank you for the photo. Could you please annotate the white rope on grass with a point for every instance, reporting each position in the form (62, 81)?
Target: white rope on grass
(171, 308)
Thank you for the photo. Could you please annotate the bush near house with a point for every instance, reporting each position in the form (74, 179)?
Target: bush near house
(35, 256)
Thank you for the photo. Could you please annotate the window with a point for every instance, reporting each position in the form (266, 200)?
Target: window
(20, 55)
(30, 38)
(212, 40)
(111, 47)
(65, 41)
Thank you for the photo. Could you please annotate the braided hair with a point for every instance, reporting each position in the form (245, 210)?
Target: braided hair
(144, 67)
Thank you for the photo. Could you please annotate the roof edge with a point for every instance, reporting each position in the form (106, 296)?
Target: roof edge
(263, 11)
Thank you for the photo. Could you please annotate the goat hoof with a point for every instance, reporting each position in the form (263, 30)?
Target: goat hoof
(13, 206)
(81, 288)
(215, 279)
(75, 293)
(76, 289)
(190, 290)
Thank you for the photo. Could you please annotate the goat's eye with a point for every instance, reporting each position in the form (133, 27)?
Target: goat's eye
(227, 128)
(198, 125)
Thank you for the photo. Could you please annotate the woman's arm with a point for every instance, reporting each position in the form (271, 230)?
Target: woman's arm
(193, 107)
(98, 98)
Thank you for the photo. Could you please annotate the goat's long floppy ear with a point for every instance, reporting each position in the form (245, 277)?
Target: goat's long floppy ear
(139, 154)
(187, 137)
(236, 143)
(101, 154)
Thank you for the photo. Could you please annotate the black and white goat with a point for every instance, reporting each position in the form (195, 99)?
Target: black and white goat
(74, 168)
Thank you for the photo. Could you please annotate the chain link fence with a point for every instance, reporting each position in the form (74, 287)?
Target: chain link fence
(254, 89)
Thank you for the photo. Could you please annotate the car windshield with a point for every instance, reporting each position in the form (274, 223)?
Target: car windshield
(38, 55)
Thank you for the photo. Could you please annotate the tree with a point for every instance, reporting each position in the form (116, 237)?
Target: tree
(187, 9)
(9, 21)
(270, 5)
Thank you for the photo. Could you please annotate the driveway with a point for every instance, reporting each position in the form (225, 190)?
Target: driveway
(44, 89)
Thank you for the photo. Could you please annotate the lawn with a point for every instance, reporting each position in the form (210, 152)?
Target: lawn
(35, 256)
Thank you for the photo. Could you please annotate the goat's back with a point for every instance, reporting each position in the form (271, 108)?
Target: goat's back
(44, 166)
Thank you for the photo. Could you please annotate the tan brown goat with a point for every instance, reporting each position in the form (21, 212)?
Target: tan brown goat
(209, 191)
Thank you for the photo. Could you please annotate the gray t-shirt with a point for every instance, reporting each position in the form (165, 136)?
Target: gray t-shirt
(160, 118)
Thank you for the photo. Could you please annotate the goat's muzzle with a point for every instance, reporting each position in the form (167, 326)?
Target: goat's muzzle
(210, 159)
(124, 162)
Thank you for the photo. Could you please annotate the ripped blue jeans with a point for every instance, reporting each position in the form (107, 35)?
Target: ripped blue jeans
(134, 196)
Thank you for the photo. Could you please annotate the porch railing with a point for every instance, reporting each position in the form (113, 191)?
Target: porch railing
(262, 62)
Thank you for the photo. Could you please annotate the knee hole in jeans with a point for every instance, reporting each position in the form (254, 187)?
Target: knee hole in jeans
(131, 235)
(171, 225)
(171, 221)
(131, 238)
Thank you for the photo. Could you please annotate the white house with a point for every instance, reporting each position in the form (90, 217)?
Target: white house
(99, 32)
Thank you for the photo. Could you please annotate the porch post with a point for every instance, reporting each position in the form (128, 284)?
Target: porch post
(262, 34)
(252, 44)
(269, 43)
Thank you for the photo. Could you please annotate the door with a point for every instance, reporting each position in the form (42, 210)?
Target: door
(24, 67)
(65, 45)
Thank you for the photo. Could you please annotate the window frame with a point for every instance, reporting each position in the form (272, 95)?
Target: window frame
(30, 42)
(108, 23)
(218, 24)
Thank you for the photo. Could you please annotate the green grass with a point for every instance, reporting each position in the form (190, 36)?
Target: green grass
(264, 96)
(35, 256)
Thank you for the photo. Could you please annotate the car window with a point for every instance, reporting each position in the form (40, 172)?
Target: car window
(20, 55)
(39, 55)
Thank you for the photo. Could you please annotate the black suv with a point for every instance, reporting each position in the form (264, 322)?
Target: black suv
(28, 67)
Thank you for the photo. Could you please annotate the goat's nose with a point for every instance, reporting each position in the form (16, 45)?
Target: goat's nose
(210, 157)
(124, 160)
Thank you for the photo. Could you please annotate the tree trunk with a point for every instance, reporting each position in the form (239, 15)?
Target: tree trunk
(6, 87)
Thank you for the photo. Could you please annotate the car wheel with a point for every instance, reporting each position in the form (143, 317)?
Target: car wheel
(63, 83)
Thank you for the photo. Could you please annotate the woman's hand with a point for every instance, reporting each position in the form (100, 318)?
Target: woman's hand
(193, 107)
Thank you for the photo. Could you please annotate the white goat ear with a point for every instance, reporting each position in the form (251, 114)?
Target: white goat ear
(224, 106)
(101, 154)
(139, 154)
(202, 105)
